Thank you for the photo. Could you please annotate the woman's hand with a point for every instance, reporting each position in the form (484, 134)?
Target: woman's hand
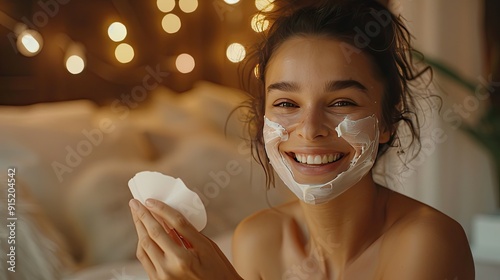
(170, 247)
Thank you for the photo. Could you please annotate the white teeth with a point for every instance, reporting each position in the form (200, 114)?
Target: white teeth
(310, 159)
(317, 159)
(336, 157)
(332, 158)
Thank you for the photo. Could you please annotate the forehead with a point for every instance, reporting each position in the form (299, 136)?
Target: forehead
(308, 60)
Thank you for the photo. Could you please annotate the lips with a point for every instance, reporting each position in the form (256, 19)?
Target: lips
(317, 159)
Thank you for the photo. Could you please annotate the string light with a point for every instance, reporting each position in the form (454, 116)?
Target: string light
(171, 23)
(165, 6)
(259, 23)
(264, 5)
(184, 63)
(75, 64)
(117, 31)
(188, 6)
(124, 53)
(75, 58)
(29, 42)
(235, 52)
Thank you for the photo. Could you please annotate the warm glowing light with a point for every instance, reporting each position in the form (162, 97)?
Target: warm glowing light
(256, 71)
(264, 5)
(231, 2)
(124, 53)
(75, 57)
(165, 6)
(29, 42)
(171, 23)
(235, 52)
(117, 31)
(188, 6)
(75, 64)
(259, 23)
(184, 63)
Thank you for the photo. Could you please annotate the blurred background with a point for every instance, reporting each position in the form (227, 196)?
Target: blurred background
(93, 91)
(154, 33)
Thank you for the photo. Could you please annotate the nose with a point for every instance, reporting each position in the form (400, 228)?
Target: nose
(313, 125)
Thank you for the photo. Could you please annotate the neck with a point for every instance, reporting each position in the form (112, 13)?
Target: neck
(342, 228)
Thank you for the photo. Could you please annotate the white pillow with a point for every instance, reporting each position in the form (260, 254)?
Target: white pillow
(51, 144)
(213, 103)
(41, 252)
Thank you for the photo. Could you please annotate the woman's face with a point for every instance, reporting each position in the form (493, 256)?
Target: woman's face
(312, 84)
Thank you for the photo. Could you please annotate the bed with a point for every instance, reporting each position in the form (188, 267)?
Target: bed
(72, 161)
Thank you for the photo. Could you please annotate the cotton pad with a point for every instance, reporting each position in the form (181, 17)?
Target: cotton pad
(173, 192)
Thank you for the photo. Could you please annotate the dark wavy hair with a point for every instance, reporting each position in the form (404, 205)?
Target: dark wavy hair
(366, 26)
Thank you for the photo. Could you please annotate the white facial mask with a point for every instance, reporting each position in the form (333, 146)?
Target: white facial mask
(361, 134)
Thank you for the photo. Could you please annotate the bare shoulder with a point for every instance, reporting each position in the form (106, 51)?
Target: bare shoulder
(424, 243)
(257, 239)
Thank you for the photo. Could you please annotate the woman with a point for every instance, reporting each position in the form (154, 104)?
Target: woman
(334, 86)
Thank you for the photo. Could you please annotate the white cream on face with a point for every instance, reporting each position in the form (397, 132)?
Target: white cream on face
(362, 135)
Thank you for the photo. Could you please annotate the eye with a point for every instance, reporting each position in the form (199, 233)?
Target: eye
(285, 104)
(343, 103)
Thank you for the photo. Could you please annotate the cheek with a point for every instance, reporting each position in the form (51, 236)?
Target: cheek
(384, 130)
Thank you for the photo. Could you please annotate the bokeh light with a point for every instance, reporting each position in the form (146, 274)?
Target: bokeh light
(75, 64)
(264, 5)
(117, 31)
(231, 2)
(235, 52)
(188, 6)
(165, 6)
(184, 63)
(171, 23)
(259, 23)
(124, 53)
(29, 42)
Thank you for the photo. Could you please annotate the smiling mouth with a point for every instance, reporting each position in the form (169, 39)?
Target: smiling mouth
(312, 159)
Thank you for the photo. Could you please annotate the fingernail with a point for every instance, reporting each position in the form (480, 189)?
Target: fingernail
(150, 203)
(134, 204)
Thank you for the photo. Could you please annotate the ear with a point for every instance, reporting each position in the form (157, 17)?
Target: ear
(384, 135)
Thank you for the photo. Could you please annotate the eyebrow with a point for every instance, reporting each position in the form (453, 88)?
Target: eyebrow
(343, 84)
(283, 86)
(329, 86)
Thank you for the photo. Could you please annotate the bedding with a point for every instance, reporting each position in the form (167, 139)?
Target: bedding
(76, 158)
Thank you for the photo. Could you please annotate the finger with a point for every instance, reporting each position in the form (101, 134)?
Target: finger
(184, 241)
(174, 219)
(142, 255)
(171, 232)
(155, 231)
(151, 256)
